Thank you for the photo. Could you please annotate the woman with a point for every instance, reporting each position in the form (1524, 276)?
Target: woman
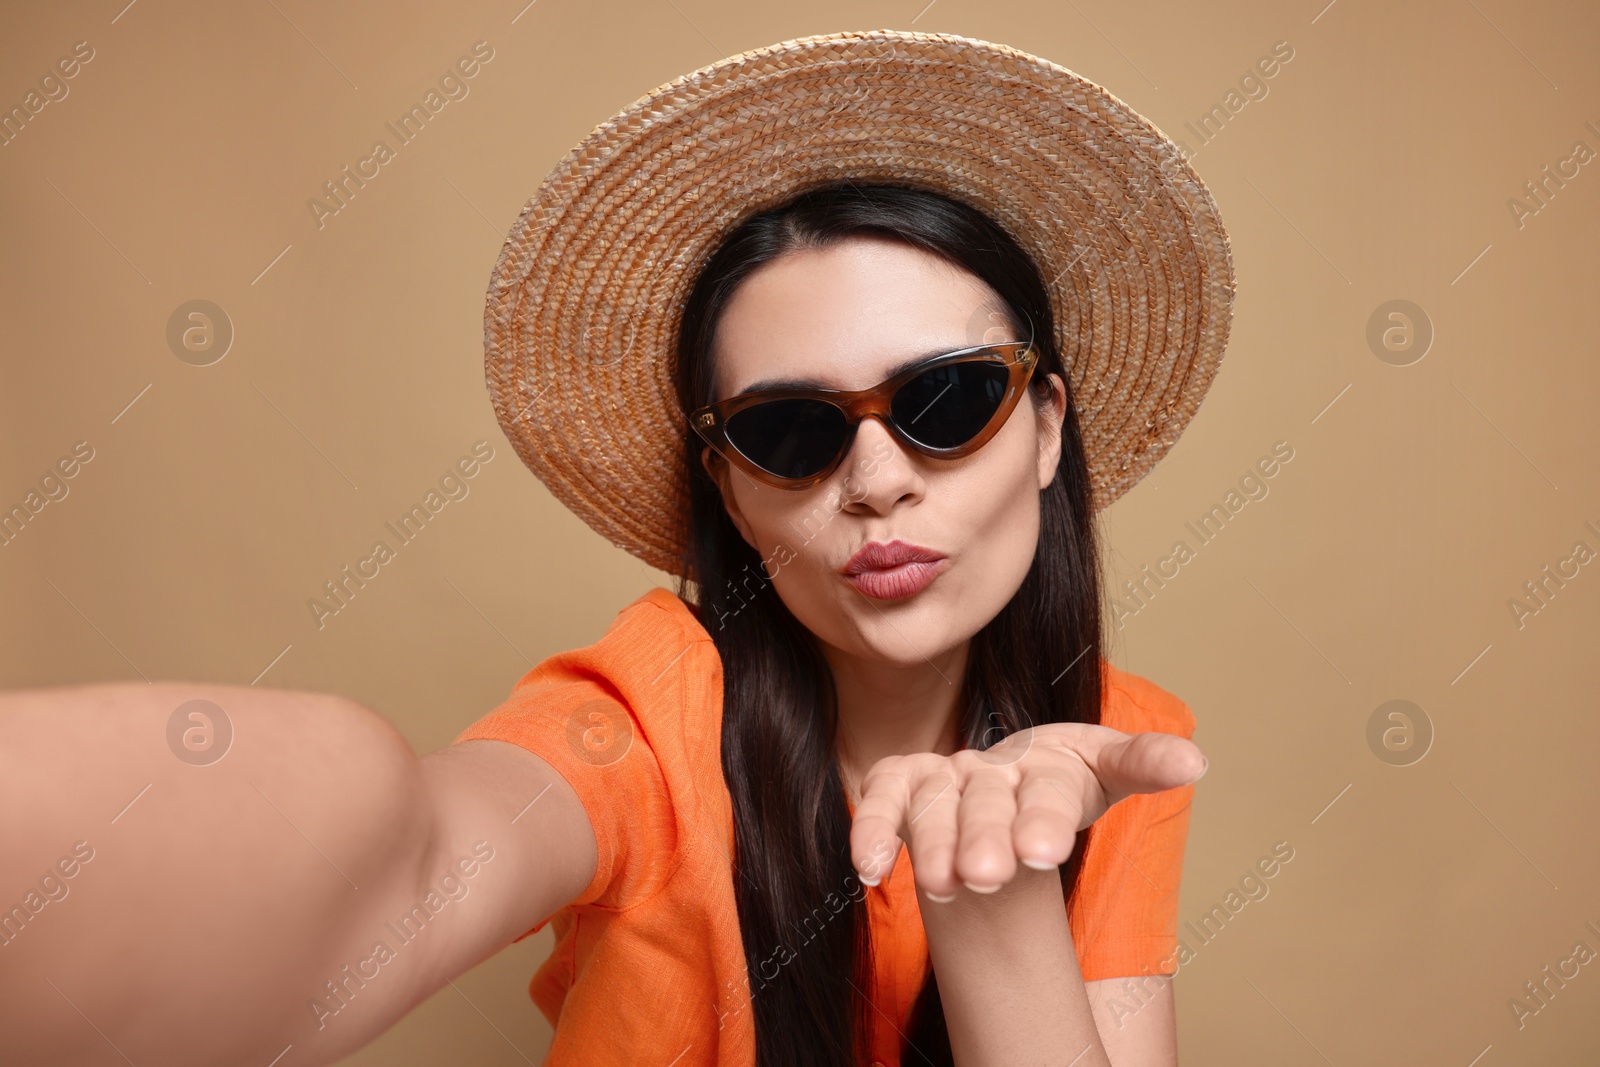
(878, 686)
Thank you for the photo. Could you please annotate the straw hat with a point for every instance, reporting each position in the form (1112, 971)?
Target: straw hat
(584, 303)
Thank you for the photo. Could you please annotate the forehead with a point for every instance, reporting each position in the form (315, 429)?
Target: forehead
(841, 317)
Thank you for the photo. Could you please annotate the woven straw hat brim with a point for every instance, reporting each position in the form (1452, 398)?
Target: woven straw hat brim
(584, 303)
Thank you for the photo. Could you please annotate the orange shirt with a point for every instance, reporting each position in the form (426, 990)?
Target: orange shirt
(649, 964)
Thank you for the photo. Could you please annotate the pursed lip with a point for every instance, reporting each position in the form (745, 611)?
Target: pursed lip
(875, 556)
(893, 571)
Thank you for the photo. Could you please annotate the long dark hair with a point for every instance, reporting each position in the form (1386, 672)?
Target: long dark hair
(802, 911)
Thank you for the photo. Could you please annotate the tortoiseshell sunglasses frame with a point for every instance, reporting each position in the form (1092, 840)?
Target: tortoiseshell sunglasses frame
(1019, 357)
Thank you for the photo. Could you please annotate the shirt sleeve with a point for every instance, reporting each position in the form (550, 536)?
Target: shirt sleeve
(608, 718)
(1125, 922)
(593, 740)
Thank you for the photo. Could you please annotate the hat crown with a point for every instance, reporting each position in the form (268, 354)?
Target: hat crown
(593, 275)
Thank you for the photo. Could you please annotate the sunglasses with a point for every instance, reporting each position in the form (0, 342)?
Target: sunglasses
(946, 407)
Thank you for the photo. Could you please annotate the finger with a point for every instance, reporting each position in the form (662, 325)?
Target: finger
(1126, 764)
(1052, 804)
(1148, 763)
(935, 798)
(985, 856)
(879, 820)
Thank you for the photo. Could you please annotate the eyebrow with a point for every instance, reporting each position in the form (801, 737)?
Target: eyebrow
(812, 383)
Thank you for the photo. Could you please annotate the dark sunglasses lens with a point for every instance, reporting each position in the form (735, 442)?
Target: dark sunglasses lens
(950, 405)
(790, 438)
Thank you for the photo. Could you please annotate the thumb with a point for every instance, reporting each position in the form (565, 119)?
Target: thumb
(1147, 763)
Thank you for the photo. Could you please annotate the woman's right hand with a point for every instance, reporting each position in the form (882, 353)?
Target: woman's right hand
(968, 819)
(201, 874)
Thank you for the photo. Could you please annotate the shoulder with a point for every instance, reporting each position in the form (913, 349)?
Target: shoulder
(656, 622)
(1137, 705)
(654, 646)
(653, 675)
(630, 722)
(1125, 909)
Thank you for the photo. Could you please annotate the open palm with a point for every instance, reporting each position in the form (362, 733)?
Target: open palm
(969, 817)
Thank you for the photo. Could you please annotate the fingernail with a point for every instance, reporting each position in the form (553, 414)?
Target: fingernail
(938, 900)
(1205, 765)
(1040, 865)
(868, 881)
(981, 888)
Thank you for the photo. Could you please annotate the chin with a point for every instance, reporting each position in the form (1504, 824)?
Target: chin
(912, 647)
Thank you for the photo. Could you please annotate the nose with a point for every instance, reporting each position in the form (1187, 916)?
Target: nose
(879, 472)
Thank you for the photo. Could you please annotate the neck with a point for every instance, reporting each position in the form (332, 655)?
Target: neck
(893, 710)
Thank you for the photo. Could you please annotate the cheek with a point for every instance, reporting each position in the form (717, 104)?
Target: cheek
(792, 533)
(999, 482)
(798, 535)
(995, 506)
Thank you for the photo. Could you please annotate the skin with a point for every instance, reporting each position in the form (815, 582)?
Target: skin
(237, 890)
(843, 317)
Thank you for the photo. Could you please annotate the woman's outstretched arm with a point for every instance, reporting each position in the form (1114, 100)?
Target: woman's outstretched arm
(301, 893)
(986, 833)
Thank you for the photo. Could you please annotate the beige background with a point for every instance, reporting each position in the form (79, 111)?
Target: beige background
(1378, 167)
